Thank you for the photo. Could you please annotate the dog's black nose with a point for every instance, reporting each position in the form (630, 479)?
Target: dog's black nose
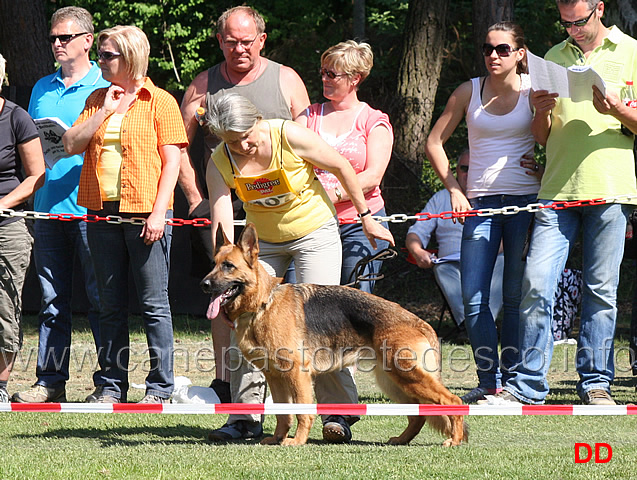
(205, 285)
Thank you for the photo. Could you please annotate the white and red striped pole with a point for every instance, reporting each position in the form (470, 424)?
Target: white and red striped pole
(322, 409)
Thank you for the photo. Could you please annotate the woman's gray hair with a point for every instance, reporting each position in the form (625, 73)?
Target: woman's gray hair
(3, 64)
(230, 113)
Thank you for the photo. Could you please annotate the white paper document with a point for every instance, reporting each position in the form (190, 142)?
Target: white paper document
(51, 130)
(575, 82)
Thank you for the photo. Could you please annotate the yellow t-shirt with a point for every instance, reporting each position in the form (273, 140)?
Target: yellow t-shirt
(587, 155)
(109, 165)
(310, 208)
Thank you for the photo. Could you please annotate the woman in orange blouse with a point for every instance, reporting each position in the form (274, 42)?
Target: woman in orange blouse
(131, 134)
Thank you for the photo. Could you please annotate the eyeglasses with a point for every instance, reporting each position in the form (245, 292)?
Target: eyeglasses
(330, 74)
(503, 50)
(65, 38)
(246, 44)
(578, 23)
(107, 56)
(463, 168)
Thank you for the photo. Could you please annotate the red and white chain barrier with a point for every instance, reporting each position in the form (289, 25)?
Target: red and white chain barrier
(322, 409)
(395, 218)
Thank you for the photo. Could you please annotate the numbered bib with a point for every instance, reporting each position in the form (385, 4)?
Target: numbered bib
(269, 189)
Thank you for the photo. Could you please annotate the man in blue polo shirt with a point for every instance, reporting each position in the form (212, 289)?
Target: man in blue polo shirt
(58, 243)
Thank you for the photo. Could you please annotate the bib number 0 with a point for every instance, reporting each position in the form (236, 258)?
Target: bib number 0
(273, 201)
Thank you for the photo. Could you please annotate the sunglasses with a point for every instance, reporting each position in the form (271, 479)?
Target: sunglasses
(106, 55)
(463, 168)
(503, 50)
(65, 38)
(578, 23)
(330, 74)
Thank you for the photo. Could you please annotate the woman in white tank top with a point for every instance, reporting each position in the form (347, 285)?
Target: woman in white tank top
(502, 173)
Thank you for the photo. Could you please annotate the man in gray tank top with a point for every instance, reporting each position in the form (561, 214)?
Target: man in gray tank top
(278, 92)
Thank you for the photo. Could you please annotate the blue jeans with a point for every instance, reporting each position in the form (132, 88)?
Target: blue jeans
(481, 240)
(355, 247)
(633, 334)
(57, 245)
(603, 228)
(447, 275)
(114, 249)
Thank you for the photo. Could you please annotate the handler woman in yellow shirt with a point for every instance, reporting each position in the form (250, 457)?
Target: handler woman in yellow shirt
(270, 164)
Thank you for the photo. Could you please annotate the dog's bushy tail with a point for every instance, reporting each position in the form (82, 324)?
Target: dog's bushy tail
(442, 423)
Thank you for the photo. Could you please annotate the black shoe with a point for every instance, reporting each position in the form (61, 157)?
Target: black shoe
(239, 430)
(94, 395)
(222, 389)
(336, 430)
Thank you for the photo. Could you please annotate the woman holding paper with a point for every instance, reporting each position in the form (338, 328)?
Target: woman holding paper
(502, 173)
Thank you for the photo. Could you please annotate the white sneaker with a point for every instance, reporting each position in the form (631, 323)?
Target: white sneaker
(502, 398)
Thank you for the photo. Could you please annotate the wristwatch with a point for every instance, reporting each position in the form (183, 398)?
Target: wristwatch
(338, 194)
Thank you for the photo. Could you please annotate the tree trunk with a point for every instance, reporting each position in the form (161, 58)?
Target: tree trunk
(418, 76)
(358, 19)
(624, 15)
(485, 14)
(23, 40)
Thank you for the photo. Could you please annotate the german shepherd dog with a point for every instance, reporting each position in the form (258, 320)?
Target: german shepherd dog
(294, 331)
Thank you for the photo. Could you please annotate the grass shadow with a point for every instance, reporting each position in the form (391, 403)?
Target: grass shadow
(625, 382)
(182, 324)
(109, 436)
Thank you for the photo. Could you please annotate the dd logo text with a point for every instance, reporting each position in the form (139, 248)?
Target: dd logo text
(584, 452)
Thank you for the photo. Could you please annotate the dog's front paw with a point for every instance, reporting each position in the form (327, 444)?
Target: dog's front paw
(289, 442)
(271, 441)
(396, 441)
(450, 443)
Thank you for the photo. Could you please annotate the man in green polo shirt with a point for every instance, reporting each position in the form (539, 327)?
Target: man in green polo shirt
(588, 157)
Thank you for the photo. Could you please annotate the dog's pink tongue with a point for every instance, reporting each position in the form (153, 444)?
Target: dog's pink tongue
(213, 308)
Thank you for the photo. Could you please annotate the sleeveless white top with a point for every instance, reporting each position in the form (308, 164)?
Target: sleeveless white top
(497, 144)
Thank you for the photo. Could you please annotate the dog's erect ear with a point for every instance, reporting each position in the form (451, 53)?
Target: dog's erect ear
(220, 238)
(249, 244)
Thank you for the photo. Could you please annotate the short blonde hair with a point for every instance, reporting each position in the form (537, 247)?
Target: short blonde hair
(350, 57)
(3, 64)
(133, 44)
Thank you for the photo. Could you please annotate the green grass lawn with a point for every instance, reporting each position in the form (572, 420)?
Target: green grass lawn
(147, 446)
